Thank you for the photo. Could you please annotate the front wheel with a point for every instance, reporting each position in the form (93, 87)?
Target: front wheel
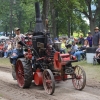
(48, 81)
(79, 78)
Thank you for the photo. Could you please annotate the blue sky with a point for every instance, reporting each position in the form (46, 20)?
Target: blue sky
(93, 7)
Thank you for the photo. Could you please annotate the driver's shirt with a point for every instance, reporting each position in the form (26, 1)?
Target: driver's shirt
(17, 39)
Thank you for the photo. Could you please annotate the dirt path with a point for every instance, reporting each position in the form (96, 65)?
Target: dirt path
(64, 90)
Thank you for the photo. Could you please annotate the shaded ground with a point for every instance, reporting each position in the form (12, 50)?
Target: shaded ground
(64, 90)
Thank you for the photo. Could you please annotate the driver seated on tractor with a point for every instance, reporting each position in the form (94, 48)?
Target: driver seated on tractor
(18, 50)
(16, 53)
(19, 37)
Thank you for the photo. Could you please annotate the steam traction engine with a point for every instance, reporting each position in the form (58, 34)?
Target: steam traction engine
(43, 64)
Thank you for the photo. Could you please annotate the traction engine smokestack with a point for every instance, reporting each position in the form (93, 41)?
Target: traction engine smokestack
(39, 27)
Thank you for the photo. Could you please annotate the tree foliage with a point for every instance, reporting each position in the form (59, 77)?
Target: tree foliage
(65, 16)
(90, 8)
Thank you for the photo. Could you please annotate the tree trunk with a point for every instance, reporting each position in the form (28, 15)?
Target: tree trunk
(92, 25)
(46, 4)
(57, 29)
(53, 20)
(19, 19)
(6, 30)
(69, 27)
(30, 25)
(11, 3)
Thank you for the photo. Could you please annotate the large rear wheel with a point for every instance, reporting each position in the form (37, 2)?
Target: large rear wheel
(48, 81)
(24, 73)
(79, 78)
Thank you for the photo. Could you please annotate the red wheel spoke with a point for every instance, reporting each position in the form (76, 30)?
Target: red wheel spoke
(20, 73)
(50, 89)
(48, 81)
(79, 84)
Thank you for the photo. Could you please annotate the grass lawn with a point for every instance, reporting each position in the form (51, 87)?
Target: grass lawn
(5, 62)
(92, 71)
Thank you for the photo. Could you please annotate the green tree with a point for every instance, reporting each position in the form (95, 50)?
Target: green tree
(65, 16)
(90, 13)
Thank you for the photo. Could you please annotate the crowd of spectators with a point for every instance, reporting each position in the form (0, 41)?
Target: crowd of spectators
(63, 44)
(72, 47)
(8, 47)
(78, 47)
(5, 48)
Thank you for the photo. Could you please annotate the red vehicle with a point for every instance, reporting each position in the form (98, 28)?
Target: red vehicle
(43, 64)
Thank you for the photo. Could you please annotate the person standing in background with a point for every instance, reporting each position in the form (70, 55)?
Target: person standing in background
(89, 38)
(96, 38)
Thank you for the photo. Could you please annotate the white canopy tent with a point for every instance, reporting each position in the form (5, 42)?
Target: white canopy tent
(3, 37)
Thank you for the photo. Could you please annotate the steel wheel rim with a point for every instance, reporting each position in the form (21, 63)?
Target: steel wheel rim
(78, 78)
(47, 82)
(20, 73)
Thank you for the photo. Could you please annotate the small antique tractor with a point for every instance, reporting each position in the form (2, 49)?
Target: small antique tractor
(43, 64)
